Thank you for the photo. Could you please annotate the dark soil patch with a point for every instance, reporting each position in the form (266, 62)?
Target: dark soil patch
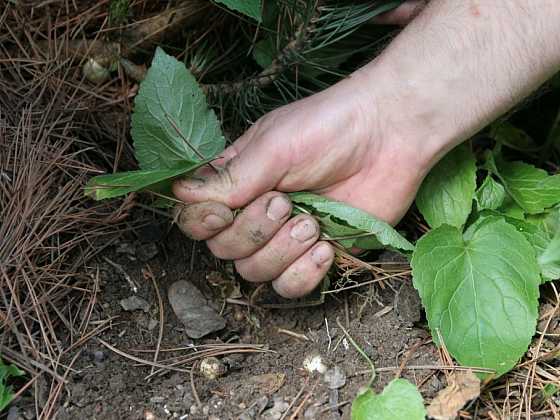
(107, 385)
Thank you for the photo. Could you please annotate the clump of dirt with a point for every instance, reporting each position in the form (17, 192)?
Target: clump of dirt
(267, 384)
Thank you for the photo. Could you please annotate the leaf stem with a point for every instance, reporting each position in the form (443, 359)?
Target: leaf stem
(359, 350)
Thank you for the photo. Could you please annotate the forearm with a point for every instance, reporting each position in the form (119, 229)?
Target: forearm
(461, 64)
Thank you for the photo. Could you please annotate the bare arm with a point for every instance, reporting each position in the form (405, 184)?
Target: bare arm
(461, 64)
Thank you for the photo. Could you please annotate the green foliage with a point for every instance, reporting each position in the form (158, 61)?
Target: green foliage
(531, 188)
(118, 12)
(264, 52)
(171, 122)
(446, 194)
(507, 134)
(6, 393)
(400, 400)
(490, 195)
(479, 285)
(362, 223)
(251, 8)
(157, 180)
(481, 293)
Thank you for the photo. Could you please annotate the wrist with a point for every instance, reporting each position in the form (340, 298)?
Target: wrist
(406, 117)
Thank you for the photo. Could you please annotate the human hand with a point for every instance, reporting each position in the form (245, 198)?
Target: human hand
(330, 143)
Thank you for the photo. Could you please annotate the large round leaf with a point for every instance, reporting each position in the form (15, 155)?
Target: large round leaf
(480, 293)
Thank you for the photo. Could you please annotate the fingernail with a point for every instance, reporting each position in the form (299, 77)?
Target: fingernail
(303, 230)
(278, 208)
(213, 222)
(321, 254)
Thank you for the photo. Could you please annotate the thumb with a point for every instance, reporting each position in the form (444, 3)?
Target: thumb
(245, 175)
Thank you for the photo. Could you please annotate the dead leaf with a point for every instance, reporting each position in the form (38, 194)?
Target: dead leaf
(268, 383)
(462, 387)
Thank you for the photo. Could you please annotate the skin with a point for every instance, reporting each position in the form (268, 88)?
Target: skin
(370, 139)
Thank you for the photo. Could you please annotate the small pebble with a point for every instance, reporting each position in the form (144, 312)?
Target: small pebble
(212, 368)
(134, 303)
(99, 356)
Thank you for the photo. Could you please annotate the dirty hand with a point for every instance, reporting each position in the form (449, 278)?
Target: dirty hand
(370, 139)
(311, 145)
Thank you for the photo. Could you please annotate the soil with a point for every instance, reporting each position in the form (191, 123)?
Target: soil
(106, 385)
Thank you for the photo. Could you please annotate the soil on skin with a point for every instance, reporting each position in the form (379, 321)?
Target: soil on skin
(109, 386)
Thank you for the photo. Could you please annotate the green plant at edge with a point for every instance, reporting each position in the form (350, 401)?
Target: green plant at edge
(6, 393)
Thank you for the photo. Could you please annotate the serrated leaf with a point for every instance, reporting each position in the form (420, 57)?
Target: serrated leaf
(251, 8)
(532, 188)
(115, 185)
(446, 194)
(400, 400)
(356, 218)
(490, 195)
(481, 294)
(169, 108)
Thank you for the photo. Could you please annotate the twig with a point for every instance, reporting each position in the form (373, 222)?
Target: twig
(139, 360)
(293, 334)
(193, 388)
(427, 367)
(149, 274)
(127, 277)
(295, 399)
(365, 283)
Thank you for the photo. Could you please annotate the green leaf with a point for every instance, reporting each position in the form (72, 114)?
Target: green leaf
(490, 195)
(543, 233)
(358, 219)
(6, 393)
(399, 400)
(171, 118)
(513, 137)
(264, 52)
(251, 8)
(480, 293)
(532, 188)
(159, 180)
(511, 209)
(549, 259)
(446, 194)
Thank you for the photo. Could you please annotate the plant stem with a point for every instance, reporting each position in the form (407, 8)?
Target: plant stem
(359, 350)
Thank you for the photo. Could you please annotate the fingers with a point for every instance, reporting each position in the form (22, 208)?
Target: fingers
(306, 272)
(250, 169)
(253, 227)
(203, 220)
(292, 241)
(403, 14)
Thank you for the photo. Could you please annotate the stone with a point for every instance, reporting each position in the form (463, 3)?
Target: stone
(134, 303)
(192, 309)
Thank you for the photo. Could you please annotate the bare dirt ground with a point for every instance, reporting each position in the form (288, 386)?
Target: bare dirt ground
(270, 383)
